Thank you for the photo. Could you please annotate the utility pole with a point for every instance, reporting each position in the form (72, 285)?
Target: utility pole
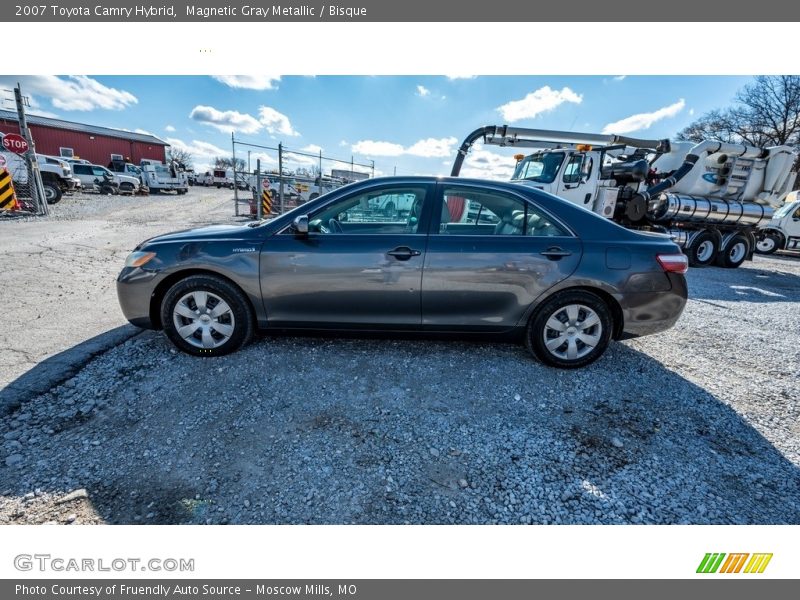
(235, 186)
(257, 193)
(280, 171)
(34, 175)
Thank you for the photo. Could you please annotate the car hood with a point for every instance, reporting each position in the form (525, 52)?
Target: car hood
(210, 232)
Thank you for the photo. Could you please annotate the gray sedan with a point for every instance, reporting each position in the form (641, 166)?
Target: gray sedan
(452, 256)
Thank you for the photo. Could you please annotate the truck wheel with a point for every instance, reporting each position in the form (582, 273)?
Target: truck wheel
(52, 192)
(734, 252)
(126, 188)
(703, 249)
(769, 243)
(205, 315)
(570, 330)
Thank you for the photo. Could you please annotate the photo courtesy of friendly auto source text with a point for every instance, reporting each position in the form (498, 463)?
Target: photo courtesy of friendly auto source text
(395, 339)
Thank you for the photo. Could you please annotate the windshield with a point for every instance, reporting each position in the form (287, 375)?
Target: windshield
(786, 209)
(542, 167)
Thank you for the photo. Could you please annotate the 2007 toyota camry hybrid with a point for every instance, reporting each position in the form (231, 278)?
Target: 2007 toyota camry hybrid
(412, 254)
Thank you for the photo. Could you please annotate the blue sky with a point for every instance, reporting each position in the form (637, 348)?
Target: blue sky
(411, 124)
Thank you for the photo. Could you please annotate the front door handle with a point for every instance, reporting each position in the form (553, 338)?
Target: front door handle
(555, 253)
(403, 253)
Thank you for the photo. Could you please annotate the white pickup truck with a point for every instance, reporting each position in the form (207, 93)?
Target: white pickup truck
(56, 173)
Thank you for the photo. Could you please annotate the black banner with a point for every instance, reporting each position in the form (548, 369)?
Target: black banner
(496, 11)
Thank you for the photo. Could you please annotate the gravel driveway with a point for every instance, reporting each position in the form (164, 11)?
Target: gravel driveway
(697, 425)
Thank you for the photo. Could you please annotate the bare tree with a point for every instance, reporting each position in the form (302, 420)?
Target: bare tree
(183, 157)
(765, 113)
(226, 162)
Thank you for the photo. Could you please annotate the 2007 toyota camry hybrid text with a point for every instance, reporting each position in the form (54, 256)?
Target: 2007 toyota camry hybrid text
(412, 254)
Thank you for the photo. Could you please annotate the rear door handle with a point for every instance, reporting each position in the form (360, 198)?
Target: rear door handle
(403, 253)
(555, 253)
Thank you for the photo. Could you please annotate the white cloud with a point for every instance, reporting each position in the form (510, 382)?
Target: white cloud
(276, 122)
(484, 164)
(265, 158)
(298, 160)
(34, 109)
(203, 153)
(249, 82)
(539, 101)
(461, 76)
(422, 91)
(644, 120)
(169, 128)
(75, 92)
(691, 112)
(343, 143)
(144, 131)
(311, 149)
(620, 77)
(427, 148)
(372, 148)
(226, 121)
(432, 147)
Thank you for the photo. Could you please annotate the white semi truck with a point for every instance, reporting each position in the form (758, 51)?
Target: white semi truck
(782, 232)
(712, 198)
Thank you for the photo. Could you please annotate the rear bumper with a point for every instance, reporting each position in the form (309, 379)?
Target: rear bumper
(646, 313)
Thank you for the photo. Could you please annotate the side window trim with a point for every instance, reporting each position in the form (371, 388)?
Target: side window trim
(435, 220)
(430, 192)
(573, 159)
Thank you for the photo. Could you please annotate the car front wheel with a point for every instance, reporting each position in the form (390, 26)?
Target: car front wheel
(570, 330)
(769, 243)
(205, 315)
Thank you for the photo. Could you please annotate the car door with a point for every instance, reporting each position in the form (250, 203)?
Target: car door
(356, 267)
(578, 178)
(490, 254)
(84, 173)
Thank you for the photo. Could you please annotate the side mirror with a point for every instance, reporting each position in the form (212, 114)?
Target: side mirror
(300, 224)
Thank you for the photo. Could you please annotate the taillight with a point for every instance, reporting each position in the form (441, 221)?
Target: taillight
(673, 263)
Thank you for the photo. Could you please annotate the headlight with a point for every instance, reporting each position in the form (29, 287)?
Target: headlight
(138, 259)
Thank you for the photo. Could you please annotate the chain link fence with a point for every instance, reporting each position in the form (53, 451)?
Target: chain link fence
(292, 177)
(31, 192)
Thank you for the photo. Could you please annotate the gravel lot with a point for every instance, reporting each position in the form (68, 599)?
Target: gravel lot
(697, 425)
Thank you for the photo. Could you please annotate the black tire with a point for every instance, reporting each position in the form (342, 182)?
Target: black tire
(313, 196)
(126, 188)
(538, 330)
(769, 243)
(734, 252)
(703, 249)
(52, 192)
(240, 316)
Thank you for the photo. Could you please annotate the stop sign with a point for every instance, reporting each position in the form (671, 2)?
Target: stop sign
(15, 143)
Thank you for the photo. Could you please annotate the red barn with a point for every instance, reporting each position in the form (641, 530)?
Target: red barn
(96, 144)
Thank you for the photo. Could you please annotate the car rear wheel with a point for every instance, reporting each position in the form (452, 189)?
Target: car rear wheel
(702, 250)
(734, 252)
(204, 315)
(570, 330)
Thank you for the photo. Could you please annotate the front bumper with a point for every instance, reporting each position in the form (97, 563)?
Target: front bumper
(135, 289)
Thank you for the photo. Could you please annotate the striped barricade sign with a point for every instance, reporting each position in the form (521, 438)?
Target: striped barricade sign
(8, 198)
